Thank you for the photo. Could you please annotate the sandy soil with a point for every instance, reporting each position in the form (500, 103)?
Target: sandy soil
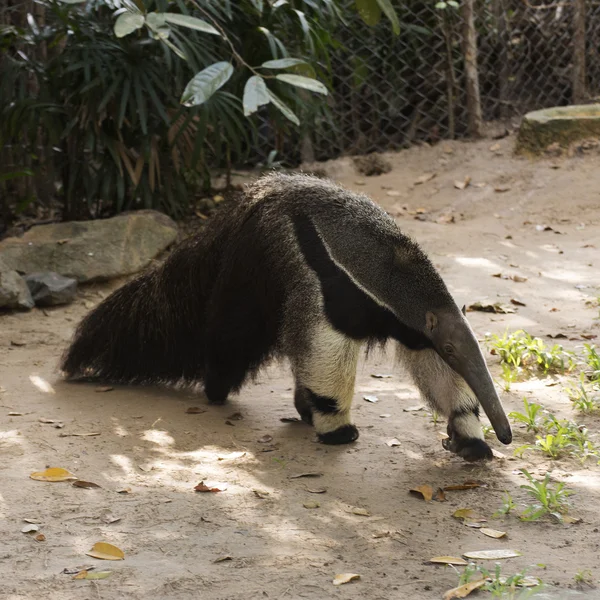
(173, 537)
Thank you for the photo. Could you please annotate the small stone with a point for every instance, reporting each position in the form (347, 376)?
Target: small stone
(51, 289)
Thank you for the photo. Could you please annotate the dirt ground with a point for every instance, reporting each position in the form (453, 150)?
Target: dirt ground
(173, 537)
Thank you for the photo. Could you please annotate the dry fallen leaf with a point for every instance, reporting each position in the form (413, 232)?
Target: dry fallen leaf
(124, 491)
(381, 376)
(211, 487)
(30, 528)
(439, 495)
(15, 414)
(462, 591)
(493, 533)
(195, 410)
(33, 521)
(372, 399)
(40, 537)
(236, 416)
(345, 578)
(385, 416)
(105, 551)
(109, 518)
(290, 420)
(104, 388)
(495, 148)
(517, 302)
(426, 491)
(467, 485)
(571, 520)
(93, 575)
(469, 517)
(495, 307)
(223, 559)
(449, 560)
(320, 490)
(415, 408)
(461, 185)
(53, 474)
(361, 512)
(75, 570)
(393, 443)
(312, 474)
(260, 494)
(492, 554)
(502, 188)
(88, 485)
(394, 193)
(311, 504)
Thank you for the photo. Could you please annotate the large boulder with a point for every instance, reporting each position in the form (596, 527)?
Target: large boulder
(14, 292)
(51, 289)
(91, 250)
(560, 126)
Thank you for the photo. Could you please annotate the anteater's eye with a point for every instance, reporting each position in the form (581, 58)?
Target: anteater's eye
(448, 348)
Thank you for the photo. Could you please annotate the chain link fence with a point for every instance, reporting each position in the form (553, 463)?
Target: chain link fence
(390, 92)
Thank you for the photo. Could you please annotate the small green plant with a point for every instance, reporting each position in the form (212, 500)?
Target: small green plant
(508, 505)
(531, 418)
(549, 499)
(509, 375)
(593, 362)
(521, 350)
(498, 585)
(583, 397)
(584, 578)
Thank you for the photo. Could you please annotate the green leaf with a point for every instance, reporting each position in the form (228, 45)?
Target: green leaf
(283, 63)
(390, 13)
(15, 174)
(72, 1)
(303, 82)
(453, 4)
(191, 22)
(255, 94)
(285, 110)
(280, 3)
(258, 5)
(441, 5)
(205, 83)
(303, 22)
(128, 23)
(369, 11)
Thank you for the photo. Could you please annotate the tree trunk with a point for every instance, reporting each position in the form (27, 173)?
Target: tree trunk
(579, 74)
(471, 74)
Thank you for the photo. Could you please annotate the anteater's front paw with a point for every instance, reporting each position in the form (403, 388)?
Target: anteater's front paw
(343, 435)
(471, 449)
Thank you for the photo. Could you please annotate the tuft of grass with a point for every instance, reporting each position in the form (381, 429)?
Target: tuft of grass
(583, 578)
(498, 585)
(549, 499)
(592, 358)
(508, 505)
(531, 418)
(583, 396)
(520, 350)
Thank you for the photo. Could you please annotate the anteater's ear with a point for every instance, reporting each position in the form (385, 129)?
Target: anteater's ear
(463, 310)
(431, 322)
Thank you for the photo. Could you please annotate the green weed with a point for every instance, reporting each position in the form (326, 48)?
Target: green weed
(498, 585)
(531, 418)
(549, 499)
(508, 505)
(592, 359)
(583, 397)
(521, 350)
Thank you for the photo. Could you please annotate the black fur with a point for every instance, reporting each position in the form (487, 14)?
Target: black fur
(327, 406)
(348, 308)
(343, 435)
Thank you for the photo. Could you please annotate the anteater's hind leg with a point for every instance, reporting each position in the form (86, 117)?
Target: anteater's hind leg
(325, 376)
(448, 393)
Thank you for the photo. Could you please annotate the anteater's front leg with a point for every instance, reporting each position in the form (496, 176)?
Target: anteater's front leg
(325, 377)
(448, 393)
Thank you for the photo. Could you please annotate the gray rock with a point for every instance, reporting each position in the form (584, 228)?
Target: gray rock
(14, 292)
(91, 250)
(51, 289)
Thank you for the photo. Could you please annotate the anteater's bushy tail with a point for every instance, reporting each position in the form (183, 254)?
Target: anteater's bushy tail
(151, 330)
